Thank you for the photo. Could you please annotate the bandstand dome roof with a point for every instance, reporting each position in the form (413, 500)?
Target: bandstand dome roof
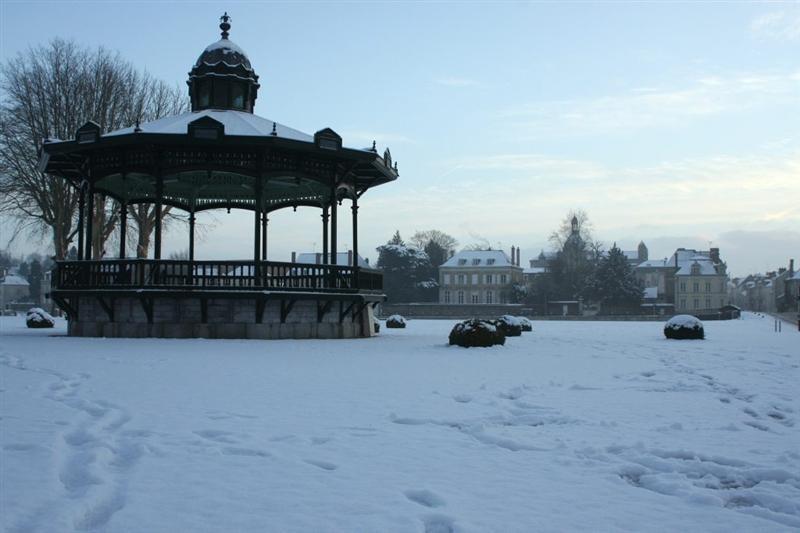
(219, 154)
(224, 51)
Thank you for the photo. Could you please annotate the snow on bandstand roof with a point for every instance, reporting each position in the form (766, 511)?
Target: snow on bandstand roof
(235, 122)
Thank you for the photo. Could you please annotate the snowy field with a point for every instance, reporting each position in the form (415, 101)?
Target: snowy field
(602, 426)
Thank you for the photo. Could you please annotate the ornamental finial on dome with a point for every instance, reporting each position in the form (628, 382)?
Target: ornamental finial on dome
(225, 24)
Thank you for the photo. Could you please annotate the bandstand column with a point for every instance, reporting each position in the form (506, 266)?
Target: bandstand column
(333, 226)
(191, 234)
(123, 228)
(87, 250)
(354, 208)
(325, 216)
(159, 194)
(257, 223)
(81, 216)
(264, 226)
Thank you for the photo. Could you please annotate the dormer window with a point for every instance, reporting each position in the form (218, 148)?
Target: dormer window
(490, 261)
(476, 261)
(204, 94)
(237, 96)
(462, 262)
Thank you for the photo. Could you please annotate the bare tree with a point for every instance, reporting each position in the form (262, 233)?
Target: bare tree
(584, 227)
(49, 92)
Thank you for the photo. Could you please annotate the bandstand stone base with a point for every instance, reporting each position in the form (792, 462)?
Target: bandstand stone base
(220, 318)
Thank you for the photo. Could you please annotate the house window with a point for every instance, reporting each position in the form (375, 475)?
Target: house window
(461, 279)
(476, 299)
(447, 297)
(708, 286)
(683, 286)
(488, 279)
(447, 279)
(697, 303)
(475, 279)
(489, 298)
(462, 261)
(695, 287)
(461, 297)
(708, 303)
(683, 303)
(476, 261)
(503, 279)
(490, 261)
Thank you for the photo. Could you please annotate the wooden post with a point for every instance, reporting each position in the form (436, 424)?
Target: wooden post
(325, 216)
(123, 228)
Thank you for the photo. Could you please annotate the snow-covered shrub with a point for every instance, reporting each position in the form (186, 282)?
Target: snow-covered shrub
(509, 325)
(684, 327)
(476, 332)
(39, 318)
(376, 325)
(525, 324)
(395, 322)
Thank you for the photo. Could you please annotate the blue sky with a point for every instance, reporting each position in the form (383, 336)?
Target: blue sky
(673, 123)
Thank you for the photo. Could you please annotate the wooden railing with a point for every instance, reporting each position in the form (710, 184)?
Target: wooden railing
(213, 275)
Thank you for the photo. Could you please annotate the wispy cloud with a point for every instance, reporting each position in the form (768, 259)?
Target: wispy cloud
(777, 25)
(649, 107)
(366, 137)
(455, 81)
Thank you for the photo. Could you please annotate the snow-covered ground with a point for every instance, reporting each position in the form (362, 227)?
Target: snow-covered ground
(602, 426)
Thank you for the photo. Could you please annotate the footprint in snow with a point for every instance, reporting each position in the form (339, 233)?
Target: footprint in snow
(425, 498)
(437, 523)
(324, 465)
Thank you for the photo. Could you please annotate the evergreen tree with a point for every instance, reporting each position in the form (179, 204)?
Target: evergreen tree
(396, 239)
(407, 272)
(614, 284)
(23, 269)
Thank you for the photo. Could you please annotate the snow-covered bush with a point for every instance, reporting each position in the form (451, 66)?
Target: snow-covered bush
(476, 332)
(509, 325)
(376, 325)
(525, 324)
(684, 327)
(39, 318)
(396, 322)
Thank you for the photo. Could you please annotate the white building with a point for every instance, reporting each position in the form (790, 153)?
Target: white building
(701, 281)
(479, 277)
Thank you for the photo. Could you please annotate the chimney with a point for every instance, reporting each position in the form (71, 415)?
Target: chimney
(350, 258)
(518, 254)
(294, 257)
(791, 267)
(513, 255)
(714, 254)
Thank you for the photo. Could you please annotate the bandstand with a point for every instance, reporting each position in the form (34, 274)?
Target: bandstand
(219, 155)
